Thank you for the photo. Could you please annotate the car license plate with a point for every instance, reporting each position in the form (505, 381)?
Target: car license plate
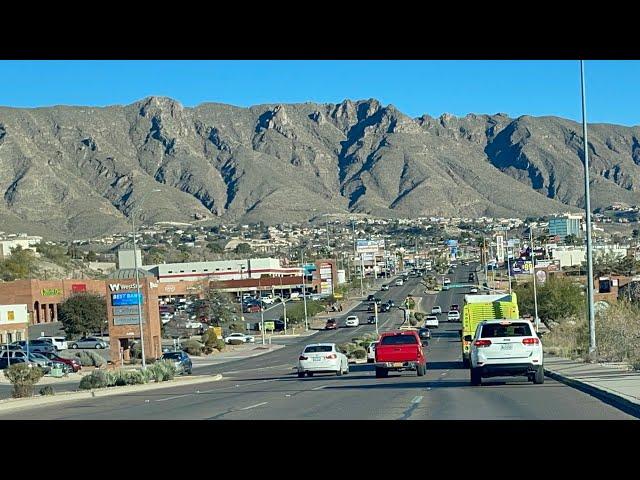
(507, 346)
(317, 359)
(397, 364)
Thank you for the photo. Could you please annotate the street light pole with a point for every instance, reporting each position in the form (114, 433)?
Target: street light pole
(533, 270)
(135, 265)
(587, 207)
(375, 309)
(304, 292)
(361, 275)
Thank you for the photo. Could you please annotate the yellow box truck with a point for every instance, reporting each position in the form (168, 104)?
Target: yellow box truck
(478, 308)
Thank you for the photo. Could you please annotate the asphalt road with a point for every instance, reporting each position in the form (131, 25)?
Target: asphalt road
(266, 387)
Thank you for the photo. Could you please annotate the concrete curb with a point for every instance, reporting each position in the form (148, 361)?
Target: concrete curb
(608, 396)
(17, 403)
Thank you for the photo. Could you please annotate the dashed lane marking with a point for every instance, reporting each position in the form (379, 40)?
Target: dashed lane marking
(254, 406)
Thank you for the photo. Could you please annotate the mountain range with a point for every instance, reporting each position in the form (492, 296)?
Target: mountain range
(78, 172)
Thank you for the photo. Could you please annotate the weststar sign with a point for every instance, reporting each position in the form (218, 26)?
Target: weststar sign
(116, 287)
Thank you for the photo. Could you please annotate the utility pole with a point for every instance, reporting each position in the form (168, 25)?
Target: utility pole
(361, 275)
(587, 208)
(533, 271)
(304, 292)
(375, 309)
(506, 237)
(486, 260)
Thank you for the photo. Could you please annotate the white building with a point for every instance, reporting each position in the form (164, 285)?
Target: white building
(27, 243)
(221, 270)
(573, 256)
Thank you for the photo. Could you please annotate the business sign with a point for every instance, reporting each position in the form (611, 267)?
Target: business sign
(326, 278)
(269, 325)
(78, 287)
(128, 320)
(51, 292)
(500, 248)
(541, 275)
(116, 287)
(369, 246)
(118, 299)
(125, 310)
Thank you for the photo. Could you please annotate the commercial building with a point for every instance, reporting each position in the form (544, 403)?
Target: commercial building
(566, 225)
(222, 270)
(126, 258)
(13, 323)
(43, 297)
(574, 256)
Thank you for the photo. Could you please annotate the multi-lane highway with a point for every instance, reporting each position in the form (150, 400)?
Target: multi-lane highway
(266, 387)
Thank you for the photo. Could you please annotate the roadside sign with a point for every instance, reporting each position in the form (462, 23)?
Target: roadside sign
(270, 325)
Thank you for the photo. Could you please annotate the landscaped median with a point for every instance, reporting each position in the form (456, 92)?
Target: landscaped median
(30, 402)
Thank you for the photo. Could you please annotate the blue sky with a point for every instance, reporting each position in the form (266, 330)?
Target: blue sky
(415, 87)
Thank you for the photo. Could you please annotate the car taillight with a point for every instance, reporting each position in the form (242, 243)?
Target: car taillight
(530, 341)
(482, 343)
(302, 357)
(331, 356)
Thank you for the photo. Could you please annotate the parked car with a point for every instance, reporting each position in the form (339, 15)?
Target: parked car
(72, 363)
(239, 337)
(253, 308)
(431, 321)
(436, 310)
(268, 299)
(453, 316)
(5, 362)
(35, 346)
(322, 358)
(181, 360)
(192, 324)
(506, 348)
(59, 342)
(89, 342)
(371, 352)
(34, 358)
(331, 324)
(352, 321)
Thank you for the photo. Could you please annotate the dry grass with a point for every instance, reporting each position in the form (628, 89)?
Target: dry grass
(617, 336)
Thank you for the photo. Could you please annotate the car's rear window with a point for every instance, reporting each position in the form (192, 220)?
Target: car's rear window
(172, 355)
(494, 330)
(399, 340)
(318, 348)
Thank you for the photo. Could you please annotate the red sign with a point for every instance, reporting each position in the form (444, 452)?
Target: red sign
(78, 287)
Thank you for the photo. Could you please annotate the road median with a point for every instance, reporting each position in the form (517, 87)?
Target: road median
(31, 402)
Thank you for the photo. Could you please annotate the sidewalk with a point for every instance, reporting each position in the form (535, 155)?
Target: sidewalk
(614, 384)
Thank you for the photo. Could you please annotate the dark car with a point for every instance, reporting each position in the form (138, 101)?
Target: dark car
(471, 277)
(455, 307)
(385, 307)
(331, 324)
(377, 300)
(371, 319)
(391, 303)
(181, 360)
(370, 298)
(73, 364)
(371, 307)
(424, 334)
(4, 362)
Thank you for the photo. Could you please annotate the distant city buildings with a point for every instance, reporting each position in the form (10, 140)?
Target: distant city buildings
(566, 225)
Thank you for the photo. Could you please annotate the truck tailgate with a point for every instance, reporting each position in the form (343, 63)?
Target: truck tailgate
(397, 353)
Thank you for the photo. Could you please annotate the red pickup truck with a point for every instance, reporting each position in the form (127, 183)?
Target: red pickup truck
(400, 350)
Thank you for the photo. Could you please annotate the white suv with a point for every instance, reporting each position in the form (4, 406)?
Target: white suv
(352, 321)
(437, 310)
(506, 348)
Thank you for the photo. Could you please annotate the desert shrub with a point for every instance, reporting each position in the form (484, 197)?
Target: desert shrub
(419, 316)
(568, 339)
(359, 353)
(135, 377)
(135, 352)
(97, 360)
(23, 378)
(192, 347)
(617, 333)
(167, 369)
(47, 390)
(413, 322)
(96, 379)
(86, 358)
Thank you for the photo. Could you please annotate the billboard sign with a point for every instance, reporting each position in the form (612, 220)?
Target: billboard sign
(369, 246)
(128, 320)
(118, 299)
(326, 279)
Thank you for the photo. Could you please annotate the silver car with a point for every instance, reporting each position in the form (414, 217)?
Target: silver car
(89, 342)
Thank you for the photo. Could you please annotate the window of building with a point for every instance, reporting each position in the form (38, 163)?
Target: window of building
(18, 336)
(181, 271)
(217, 269)
(192, 270)
(206, 270)
(229, 268)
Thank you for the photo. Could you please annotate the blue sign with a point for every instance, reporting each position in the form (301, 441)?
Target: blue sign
(126, 299)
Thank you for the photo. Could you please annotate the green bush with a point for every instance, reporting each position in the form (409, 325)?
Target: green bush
(192, 347)
(96, 379)
(359, 353)
(135, 352)
(419, 316)
(23, 378)
(47, 390)
(164, 370)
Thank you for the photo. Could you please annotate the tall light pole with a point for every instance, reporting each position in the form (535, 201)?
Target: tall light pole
(375, 309)
(485, 256)
(135, 265)
(533, 270)
(361, 275)
(304, 291)
(587, 208)
(506, 237)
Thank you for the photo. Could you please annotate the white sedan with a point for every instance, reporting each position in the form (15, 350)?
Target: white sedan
(453, 316)
(322, 358)
(352, 321)
(431, 321)
(239, 337)
(436, 310)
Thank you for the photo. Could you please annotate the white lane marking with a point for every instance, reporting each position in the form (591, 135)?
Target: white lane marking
(417, 399)
(444, 373)
(173, 398)
(319, 388)
(254, 406)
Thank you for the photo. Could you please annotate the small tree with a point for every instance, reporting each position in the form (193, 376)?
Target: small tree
(23, 378)
(243, 249)
(83, 313)
(21, 264)
(215, 247)
(91, 256)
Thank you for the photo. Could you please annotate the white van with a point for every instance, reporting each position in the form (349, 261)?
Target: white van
(59, 342)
